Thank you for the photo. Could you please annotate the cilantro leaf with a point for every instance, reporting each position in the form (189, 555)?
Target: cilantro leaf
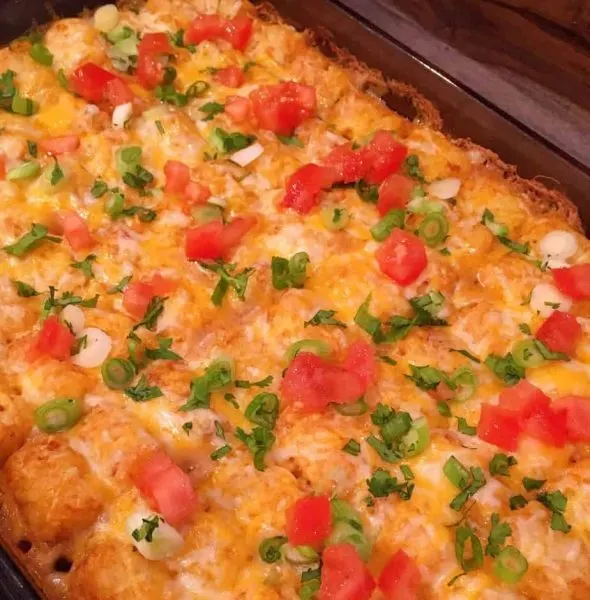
(325, 317)
(498, 534)
(85, 266)
(163, 351)
(289, 273)
(500, 464)
(259, 442)
(142, 391)
(24, 290)
(30, 241)
(238, 281)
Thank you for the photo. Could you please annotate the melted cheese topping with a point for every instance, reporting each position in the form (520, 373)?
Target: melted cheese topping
(485, 287)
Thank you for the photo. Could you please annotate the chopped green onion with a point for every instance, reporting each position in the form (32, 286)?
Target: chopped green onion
(58, 415)
(416, 440)
(345, 533)
(25, 170)
(117, 373)
(510, 565)
(465, 535)
(206, 213)
(421, 205)
(465, 382)
(352, 447)
(367, 192)
(393, 219)
(355, 409)
(343, 511)
(226, 142)
(300, 555)
(41, 54)
(197, 89)
(23, 106)
(263, 410)
(270, 548)
(114, 205)
(527, 355)
(531, 484)
(319, 347)
(335, 218)
(498, 229)
(455, 472)
(433, 229)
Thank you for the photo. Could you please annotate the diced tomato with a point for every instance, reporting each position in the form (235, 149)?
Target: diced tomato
(360, 359)
(215, 240)
(385, 156)
(573, 281)
(89, 81)
(117, 92)
(75, 230)
(55, 340)
(304, 187)
(315, 383)
(60, 145)
(154, 43)
(309, 521)
(577, 410)
(547, 425)
(402, 257)
(524, 399)
(150, 71)
(282, 107)
(238, 31)
(344, 575)
(230, 77)
(136, 297)
(204, 27)
(400, 578)
(237, 108)
(2, 165)
(349, 165)
(561, 332)
(196, 193)
(395, 192)
(177, 176)
(161, 286)
(167, 488)
(499, 426)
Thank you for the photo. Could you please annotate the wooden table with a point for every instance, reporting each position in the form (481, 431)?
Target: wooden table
(531, 58)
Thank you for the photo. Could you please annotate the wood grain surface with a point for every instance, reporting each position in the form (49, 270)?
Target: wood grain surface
(546, 41)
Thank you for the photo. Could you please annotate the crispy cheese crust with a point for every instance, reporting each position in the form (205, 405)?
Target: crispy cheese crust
(70, 494)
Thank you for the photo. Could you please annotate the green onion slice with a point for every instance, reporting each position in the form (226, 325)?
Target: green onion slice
(456, 473)
(465, 382)
(395, 218)
(355, 409)
(433, 229)
(41, 54)
(117, 373)
(343, 511)
(270, 548)
(510, 565)
(58, 415)
(300, 555)
(416, 440)
(318, 347)
(526, 354)
(25, 170)
(335, 218)
(206, 213)
(345, 533)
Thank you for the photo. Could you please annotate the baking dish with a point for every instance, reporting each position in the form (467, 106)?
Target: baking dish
(464, 114)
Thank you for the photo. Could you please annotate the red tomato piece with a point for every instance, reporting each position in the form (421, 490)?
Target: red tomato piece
(230, 77)
(350, 165)
(315, 383)
(524, 399)
(577, 410)
(204, 242)
(204, 27)
(573, 281)
(549, 425)
(177, 176)
(2, 166)
(117, 92)
(154, 43)
(167, 488)
(161, 286)
(150, 70)
(395, 192)
(360, 359)
(136, 297)
(89, 81)
(304, 187)
(75, 230)
(234, 231)
(385, 156)
(55, 340)
(400, 578)
(60, 145)
(344, 575)
(561, 332)
(238, 108)
(499, 426)
(282, 107)
(196, 193)
(402, 257)
(309, 521)
(238, 31)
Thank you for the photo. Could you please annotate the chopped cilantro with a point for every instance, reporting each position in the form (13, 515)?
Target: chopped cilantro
(352, 447)
(142, 391)
(226, 142)
(382, 484)
(227, 279)
(211, 109)
(466, 354)
(498, 534)
(505, 368)
(147, 529)
(556, 502)
(290, 140)
(85, 266)
(163, 351)
(120, 287)
(242, 383)
(259, 442)
(500, 464)
(289, 273)
(530, 484)
(517, 502)
(24, 290)
(412, 168)
(152, 313)
(263, 410)
(325, 317)
(30, 241)
(217, 375)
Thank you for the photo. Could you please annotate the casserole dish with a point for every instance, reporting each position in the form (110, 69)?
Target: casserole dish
(86, 527)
